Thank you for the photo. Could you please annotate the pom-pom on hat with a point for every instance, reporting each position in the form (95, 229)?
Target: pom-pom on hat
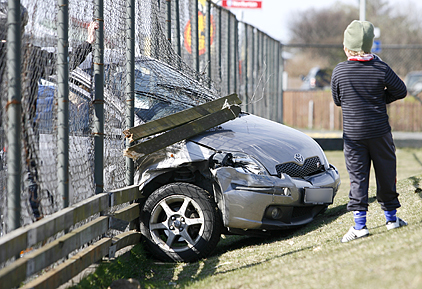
(359, 35)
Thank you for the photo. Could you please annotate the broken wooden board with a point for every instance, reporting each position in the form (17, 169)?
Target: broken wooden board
(182, 132)
(180, 118)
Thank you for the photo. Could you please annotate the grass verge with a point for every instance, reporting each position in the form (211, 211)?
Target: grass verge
(311, 257)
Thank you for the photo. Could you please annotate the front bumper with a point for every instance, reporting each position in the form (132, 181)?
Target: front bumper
(248, 198)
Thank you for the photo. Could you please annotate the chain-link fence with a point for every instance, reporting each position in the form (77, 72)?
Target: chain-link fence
(128, 60)
(172, 40)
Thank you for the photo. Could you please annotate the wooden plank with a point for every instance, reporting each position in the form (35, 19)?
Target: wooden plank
(180, 118)
(54, 251)
(76, 264)
(128, 213)
(72, 267)
(182, 132)
(126, 194)
(89, 207)
(14, 242)
(34, 262)
(20, 239)
(126, 239)
(12, 275)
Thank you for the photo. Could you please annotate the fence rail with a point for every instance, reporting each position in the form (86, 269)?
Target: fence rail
(38, 233)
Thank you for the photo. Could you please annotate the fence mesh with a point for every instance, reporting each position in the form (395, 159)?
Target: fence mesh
(164, 83)
(210, 54)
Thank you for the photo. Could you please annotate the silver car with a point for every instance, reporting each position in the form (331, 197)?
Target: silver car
(246, 176)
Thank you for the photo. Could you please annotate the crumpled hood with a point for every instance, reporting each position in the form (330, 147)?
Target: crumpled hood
(269, 142)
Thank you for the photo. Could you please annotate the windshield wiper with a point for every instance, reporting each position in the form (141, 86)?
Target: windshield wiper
(152, 95)
(161, 98)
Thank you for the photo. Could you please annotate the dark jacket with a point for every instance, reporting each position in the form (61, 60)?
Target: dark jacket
(36, 64)
(362, 89)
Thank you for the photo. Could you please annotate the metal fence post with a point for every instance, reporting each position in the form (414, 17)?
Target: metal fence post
(259, 72)
(219, 44)
(267, 92)
(280, 68)
(246, 69)
(63, 102)
(253, 72)
(228, 52)
(168, 20)
(179, 46)
(130, 81)
(98, 120)
(236, 55)
(195, 36)
(14, 114)
(273, 80)
(208, 41)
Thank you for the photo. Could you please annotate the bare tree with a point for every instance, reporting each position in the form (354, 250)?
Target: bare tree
(321, 29)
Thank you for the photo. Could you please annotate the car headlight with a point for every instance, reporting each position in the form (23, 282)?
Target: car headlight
(240, 161)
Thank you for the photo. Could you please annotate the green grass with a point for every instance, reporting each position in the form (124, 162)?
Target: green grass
(311, 257)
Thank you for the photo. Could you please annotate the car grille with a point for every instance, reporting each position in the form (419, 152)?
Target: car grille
(310, 167)
(299, 212)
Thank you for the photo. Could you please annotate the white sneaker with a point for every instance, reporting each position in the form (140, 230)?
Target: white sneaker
(353, 234)
(397, 224)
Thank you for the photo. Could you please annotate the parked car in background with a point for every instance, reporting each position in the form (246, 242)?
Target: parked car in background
(317, 78)
(413, 81)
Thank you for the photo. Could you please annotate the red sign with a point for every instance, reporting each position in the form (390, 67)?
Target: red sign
(251, 4)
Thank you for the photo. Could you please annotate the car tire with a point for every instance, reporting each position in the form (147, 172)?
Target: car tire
(180, 222)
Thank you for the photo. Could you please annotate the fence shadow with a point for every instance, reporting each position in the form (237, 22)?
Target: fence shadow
(232, 243)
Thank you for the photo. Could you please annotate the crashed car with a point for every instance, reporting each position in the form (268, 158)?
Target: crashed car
(249, 175)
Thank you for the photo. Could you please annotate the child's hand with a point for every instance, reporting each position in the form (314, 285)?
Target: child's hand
(91, 31)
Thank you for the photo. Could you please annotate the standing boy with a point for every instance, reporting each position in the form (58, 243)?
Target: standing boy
(362, 86)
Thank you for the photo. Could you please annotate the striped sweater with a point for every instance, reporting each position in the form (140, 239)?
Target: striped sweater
(362, 89)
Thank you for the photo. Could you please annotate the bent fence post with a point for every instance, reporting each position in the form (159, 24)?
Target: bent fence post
(63, 102)
(14, 114)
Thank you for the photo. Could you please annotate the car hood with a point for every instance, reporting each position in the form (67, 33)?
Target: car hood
(269, 142)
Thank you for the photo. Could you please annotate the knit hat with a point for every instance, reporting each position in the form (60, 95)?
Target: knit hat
(359, 35)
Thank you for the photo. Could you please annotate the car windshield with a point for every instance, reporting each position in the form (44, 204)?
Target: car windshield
(159, 89)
